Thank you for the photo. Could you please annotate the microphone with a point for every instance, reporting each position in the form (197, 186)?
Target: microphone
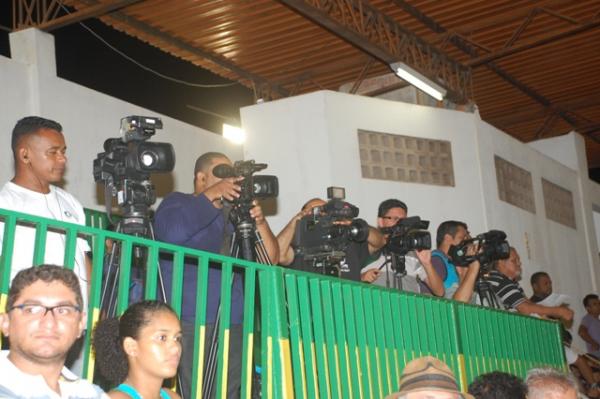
(223, 170)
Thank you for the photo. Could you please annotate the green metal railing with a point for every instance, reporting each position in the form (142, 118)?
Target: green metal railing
(319, 336)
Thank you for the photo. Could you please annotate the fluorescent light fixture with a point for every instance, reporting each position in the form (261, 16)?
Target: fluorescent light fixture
(419, 81)
(234, 134)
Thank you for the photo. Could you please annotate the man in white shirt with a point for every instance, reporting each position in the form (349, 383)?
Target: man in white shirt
(44, 316)
(39, 152)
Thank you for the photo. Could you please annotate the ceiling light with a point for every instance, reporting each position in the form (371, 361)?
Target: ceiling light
(234, 134)
(419, 81)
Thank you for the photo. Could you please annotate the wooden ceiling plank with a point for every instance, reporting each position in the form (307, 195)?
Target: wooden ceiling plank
(533, 43)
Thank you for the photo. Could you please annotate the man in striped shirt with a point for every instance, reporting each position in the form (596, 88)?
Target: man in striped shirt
(504, 283)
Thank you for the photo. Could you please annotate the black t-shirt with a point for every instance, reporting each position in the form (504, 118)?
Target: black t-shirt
(357, 253)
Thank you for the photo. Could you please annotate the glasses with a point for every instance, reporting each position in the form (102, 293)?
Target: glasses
(39, 311)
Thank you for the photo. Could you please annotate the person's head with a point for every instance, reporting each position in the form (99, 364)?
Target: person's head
(390, 212)
(39, 149)
(592, 304)
(203, 170)
(451, 232)
(147, 338)
(547, 383)
(511, 266)
(541, 284)
(44, 315)
(428, 378)
(498, 385)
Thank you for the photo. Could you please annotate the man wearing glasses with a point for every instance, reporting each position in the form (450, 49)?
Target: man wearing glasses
(43, 319)
(420, 274)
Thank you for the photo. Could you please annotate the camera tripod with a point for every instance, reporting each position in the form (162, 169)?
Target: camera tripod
(109, 291)
(393, 263)
(246, 243)
(484, 292)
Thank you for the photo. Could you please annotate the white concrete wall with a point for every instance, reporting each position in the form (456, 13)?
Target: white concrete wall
(310, 142)
(30, 87)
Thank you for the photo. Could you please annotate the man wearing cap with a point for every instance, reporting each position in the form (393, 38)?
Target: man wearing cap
(428, 378)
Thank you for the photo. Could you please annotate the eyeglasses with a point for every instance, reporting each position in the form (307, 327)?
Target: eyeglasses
(39, 311)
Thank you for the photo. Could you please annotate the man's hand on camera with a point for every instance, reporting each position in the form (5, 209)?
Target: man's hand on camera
(257, 214)
(370, 275)
(424, 256)
(228, 189)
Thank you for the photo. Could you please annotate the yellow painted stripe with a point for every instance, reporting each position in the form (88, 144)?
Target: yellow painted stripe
(225, 364)
(3, 299)
(269, 368)
(337, 368)
(200, 359)
(286, 365)
(326, 371)
(91, 360)
(462, 370)
(302, 367)
(349, 375)
(249, 371)
(314, 363)
(360, 387)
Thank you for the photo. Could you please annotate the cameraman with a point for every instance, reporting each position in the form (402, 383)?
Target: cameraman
(420, 274)
(197, 221)
(459, 282)
(356, 253)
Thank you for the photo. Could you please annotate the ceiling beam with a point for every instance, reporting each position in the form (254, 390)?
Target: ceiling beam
(242, 74)
(469, 49)
(49, 22)
(529, 44)
(380, 36)
(519, 116)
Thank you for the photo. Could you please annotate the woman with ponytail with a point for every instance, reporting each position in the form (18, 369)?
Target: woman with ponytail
(139, 350)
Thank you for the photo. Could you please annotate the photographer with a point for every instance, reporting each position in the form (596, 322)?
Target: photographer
(419, 270)
(355, 255)
(459, 282)
(197, 221)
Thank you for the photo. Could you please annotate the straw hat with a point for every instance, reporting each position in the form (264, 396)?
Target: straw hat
(427, 374)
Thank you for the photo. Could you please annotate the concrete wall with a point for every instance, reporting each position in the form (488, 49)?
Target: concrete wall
(310, 142)
(30, 87)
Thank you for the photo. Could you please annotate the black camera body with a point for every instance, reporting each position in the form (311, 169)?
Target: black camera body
(125, 167)
(322, 238)
(407, 235)
(253, 186)
(489, 247)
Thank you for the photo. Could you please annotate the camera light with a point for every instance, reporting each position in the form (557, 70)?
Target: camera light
(147, 159)
(234, 134)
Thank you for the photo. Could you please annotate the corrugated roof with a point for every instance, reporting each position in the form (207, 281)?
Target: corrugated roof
(539, 79)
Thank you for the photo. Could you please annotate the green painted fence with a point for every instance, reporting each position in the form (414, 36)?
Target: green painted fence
(320, 337)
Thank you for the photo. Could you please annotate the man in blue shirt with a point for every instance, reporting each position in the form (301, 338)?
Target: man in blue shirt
(198, 221)
(459, 282)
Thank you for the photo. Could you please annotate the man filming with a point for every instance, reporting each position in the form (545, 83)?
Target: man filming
(420, 276)
(198, 221)
(356, 253)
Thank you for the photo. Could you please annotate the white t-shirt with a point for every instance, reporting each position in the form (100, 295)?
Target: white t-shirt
(414, 272)
(16, 384)
(58, 205)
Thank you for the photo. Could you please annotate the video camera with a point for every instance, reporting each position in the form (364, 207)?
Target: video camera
(321, 238)
(125, 169)
(488, 247)
(407, 235)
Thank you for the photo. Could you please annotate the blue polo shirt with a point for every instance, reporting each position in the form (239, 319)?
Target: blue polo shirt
(192, 221)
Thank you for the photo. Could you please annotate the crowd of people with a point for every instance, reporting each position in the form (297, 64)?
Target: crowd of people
(45, 315)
